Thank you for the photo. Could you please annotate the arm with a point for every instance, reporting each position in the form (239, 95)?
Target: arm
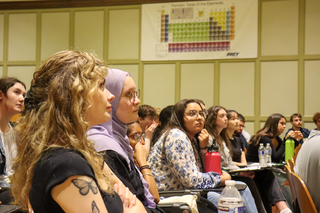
(126, 196)
(243, 160)
(140, 157)
(149, 134)
(278, 153)
(79, 194)
(203, 144)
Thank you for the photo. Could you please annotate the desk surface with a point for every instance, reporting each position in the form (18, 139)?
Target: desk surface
(9, 208)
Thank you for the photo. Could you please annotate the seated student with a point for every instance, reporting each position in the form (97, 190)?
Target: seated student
(274, 126)
(175, 159)
(307, 165)
(297, 132)
(236, 144)
(111, 140)
(12, 94)
(243, 134)
(266, 187)
(57, 168)
(269, 133)
(164, 118)
(147, 121)
(134, 133)
(316, 120)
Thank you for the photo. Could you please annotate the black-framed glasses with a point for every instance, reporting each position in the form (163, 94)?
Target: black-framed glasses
(132, 96)
(193, 113)
(136, 136)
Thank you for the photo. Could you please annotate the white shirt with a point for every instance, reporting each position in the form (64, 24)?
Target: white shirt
(246, 135)
(10, 148)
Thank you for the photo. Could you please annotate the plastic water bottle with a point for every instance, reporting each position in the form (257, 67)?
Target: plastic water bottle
(289, 146)
(262, 155)
(268, 153)
(230, 199)
(213, 159)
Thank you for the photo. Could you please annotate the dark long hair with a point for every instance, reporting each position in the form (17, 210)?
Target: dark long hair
(164, 118)
(211, 127)
(269, 129)
(176, 120)
(8, 82)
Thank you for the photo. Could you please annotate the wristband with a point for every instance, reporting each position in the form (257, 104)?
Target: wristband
(147, 174)
(144, 167)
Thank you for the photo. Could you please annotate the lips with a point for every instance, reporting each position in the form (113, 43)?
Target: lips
(109, 108)
(136, 110)
(199, 124)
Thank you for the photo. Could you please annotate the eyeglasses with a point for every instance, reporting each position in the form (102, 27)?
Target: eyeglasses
(136, 136)
(132, 96)
(193, 113)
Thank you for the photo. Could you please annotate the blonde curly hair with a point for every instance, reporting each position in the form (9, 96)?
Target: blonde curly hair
(55, 116)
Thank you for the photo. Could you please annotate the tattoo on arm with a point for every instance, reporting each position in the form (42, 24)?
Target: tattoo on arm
(95, 207)
(85, 186)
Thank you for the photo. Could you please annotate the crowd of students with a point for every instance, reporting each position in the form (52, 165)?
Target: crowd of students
(83, 143)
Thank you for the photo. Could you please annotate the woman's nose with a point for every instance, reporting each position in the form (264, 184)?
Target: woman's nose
(110, 97)
(136, 101)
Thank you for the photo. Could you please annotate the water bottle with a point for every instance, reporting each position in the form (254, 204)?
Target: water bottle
(289, 146)
(213, 159)
(262, 155)
(230, 199)
(268, 153)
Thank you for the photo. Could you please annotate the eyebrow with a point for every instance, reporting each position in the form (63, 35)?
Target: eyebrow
(131, 89)
(20, 90)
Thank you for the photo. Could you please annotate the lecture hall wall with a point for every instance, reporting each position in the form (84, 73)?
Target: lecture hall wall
(284, 78)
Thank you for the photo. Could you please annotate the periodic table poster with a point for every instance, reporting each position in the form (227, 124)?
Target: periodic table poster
(217, 29)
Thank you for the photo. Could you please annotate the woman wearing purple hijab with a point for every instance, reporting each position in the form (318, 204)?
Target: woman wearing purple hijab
(110, 137)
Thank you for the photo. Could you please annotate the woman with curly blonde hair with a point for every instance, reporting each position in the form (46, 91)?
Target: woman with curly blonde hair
(57, 168)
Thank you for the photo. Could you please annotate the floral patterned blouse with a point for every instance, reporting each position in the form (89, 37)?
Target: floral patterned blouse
(176, 167)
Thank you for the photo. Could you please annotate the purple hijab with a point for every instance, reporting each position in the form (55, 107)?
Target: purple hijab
(112, 134)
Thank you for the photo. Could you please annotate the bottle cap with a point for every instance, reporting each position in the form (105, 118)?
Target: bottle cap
(230, 182)
(214, 147)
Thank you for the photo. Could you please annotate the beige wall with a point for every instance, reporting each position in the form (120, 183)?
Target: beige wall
(283, 78)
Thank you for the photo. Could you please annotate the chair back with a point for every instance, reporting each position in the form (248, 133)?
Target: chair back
(305, 201)
(289, 175)
(290, 165)
(297, 149)
(292, 159)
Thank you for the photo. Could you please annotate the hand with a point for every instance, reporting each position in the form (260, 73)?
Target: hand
(150, 129)
(203, 138)
(127, 200)
(298, 135)
(290, 134)
(224, 176)
(140, 154)
(248, 174)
